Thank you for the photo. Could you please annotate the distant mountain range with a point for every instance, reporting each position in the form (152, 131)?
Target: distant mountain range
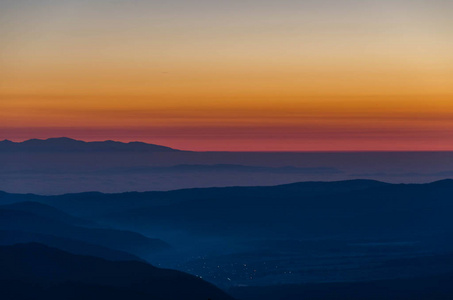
(64, 165)
(64, 144)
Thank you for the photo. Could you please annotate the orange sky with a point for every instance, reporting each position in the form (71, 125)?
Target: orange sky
(265, 78)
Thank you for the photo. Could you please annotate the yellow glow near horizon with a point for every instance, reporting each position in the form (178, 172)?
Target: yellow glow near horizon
(286, 76)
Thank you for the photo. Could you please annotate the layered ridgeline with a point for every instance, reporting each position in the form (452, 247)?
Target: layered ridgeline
(270, 239)
(40, 219)
(303, 209)
(50, 254)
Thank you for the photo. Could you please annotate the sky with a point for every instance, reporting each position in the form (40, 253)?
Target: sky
(250, 75)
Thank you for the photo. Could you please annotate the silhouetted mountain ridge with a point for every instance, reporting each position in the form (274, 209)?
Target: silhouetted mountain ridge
(54, 274)
(64, 144)
(305, 209)
(92, 203)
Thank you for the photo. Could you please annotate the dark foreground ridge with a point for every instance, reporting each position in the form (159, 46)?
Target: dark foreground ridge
(35, 271)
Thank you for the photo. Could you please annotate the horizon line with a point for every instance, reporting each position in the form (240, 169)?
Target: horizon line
(235, 151)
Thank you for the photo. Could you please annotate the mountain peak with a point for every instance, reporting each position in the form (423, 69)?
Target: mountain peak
(62, 139)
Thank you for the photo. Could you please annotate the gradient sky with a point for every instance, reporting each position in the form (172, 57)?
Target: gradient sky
(230, 75)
